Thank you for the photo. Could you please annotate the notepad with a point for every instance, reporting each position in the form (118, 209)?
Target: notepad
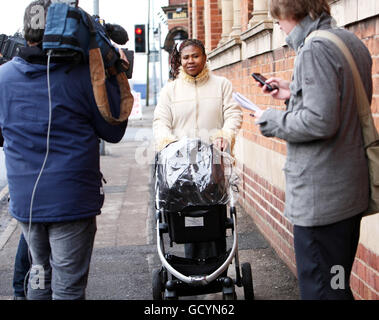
(245, 102)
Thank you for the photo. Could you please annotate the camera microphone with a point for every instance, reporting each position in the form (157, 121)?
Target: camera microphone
(117, 33)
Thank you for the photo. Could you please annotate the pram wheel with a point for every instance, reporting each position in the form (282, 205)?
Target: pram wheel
(247, 281)
(228, 290)
(158, 284)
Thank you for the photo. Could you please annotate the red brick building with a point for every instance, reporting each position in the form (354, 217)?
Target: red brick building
(178, 22)
(241, 38)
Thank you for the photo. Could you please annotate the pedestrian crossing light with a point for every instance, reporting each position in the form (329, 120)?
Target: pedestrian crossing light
(140, 38)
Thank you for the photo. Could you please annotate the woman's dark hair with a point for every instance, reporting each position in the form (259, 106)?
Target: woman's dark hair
(35, 19)
(175, 56)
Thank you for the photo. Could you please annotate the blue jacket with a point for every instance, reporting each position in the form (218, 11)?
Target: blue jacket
(70, 185)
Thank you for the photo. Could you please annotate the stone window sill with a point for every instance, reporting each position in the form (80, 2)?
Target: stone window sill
(253, 42)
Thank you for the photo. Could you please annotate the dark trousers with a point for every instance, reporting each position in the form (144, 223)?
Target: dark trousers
(324, 259)
(21, 268)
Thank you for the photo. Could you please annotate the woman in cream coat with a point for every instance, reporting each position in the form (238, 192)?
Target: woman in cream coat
(196, 104)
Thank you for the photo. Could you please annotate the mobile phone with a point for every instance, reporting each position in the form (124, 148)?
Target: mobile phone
(262, 80)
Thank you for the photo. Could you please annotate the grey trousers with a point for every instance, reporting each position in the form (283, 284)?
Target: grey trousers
(61, 254)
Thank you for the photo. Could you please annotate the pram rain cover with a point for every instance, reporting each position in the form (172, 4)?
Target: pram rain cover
(190, 172)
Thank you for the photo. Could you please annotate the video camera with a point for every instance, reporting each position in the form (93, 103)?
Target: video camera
(73, 35)
(73, 31)
(120, 36)
(9, 46)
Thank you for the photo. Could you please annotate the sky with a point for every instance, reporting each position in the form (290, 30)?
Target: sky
(126, 13)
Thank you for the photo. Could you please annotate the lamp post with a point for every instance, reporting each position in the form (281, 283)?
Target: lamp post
(96, 12)
(96, 7)
(160, 56)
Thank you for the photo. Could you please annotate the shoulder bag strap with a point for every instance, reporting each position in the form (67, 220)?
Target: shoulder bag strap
(363, 103)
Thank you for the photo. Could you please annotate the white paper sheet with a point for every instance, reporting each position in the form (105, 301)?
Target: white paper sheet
(245, 102)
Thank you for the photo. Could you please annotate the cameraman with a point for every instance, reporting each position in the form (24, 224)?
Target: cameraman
(69, 192)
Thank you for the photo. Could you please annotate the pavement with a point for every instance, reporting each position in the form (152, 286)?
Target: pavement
(125, 251)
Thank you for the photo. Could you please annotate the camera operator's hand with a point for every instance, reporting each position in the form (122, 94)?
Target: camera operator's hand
(122, 56)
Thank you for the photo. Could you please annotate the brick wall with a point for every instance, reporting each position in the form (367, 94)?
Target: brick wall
(190, 31)
(212, 37)
(200, 20)
(264, 201)
(215, 23)
(177, 23)
(365, 278)
(246, 13)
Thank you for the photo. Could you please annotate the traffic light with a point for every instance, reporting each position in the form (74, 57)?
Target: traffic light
(140, 38)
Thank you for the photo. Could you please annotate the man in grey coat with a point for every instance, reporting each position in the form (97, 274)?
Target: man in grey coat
(327, 186)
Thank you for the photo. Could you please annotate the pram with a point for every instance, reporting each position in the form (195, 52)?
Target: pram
(193, 186)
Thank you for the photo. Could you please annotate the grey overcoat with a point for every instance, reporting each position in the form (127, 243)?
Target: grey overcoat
(326, 169)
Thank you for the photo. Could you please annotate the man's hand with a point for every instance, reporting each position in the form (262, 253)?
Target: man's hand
(257, 114)
(282, 93)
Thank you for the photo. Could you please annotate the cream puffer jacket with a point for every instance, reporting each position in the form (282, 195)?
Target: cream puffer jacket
(196, 107)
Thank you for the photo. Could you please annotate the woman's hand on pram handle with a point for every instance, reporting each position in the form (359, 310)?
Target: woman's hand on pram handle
(221, 143)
